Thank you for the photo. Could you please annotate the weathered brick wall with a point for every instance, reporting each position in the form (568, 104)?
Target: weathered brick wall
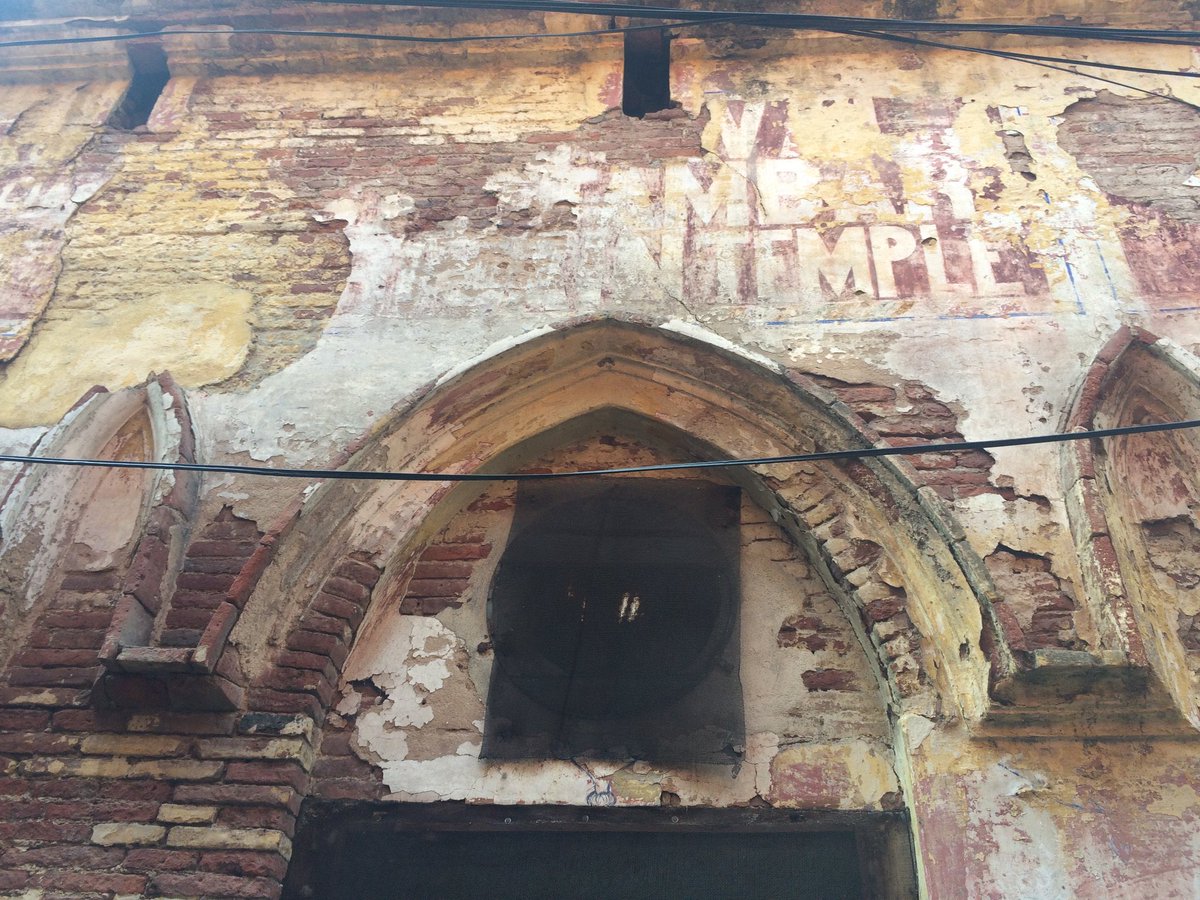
(943, 246)
(165, 803)
(97, 804)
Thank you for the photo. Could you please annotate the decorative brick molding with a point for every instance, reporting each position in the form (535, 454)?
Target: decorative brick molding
(177, 657)
(303, 677)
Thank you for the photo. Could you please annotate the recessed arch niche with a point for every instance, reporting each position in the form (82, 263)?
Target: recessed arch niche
(71, 533)
(1135, 500)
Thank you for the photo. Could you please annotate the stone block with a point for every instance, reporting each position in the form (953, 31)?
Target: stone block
(184, 814)
(218, 838)
(133, 745)
(126, 834)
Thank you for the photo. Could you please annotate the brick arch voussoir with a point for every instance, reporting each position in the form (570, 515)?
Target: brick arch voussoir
(303, 675)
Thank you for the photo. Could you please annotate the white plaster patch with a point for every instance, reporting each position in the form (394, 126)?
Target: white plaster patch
(700, 333)
(1034, 865)
(493, 350)
(1019, 524)
(413, 663)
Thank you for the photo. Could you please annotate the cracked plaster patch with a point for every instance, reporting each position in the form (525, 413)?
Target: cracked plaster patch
(414, 663)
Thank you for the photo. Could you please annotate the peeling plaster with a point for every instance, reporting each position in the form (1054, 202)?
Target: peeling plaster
(411, 689)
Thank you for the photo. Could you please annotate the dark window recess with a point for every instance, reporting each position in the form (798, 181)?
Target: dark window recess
(148, 63)
(647, 77)
(599, 866)
(452, 850)
(614, 616)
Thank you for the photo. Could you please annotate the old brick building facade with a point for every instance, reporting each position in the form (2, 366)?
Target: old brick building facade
(229, 246)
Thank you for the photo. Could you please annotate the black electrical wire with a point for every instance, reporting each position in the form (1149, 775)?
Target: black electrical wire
(1023, 57)
(822, 456)
(1048, 62)
(1033, 59)
(798, 20)
(349, 35)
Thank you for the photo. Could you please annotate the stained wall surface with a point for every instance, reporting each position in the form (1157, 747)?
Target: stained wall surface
(363, 256)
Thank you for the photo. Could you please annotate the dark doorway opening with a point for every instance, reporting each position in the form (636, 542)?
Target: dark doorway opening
(150, 74)
(453, 850)
(647, 74)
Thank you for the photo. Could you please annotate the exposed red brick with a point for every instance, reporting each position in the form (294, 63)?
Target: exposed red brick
(56, 855)
(269, 700)
(437, 587)
(86, 582)
(346, 589)
(456, 552)
(298, 659)
(76, 618)
(327, 604)
(442, 569)
(362, 573)
(213, 565)
(341, 767)
(200, 581)
(213, 885)
(258, 817)
(347, 789)
(267, 772)
(71, 638)
(24, 720)
(68, 832)
(239, 795)
(206, 600)
(13, 880)
(24, 744)
(155, 860)
(323, 624)
(305, 680)
(245, 863)
(879, 610)
(231, 549)
(95, 882)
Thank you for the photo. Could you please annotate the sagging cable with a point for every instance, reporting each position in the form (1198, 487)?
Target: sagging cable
(821, 456)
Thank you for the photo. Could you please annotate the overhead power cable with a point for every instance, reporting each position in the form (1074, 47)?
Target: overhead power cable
(1048, 62)
(1030, 57)
(798, 20)
(343, 35)
(821, 456)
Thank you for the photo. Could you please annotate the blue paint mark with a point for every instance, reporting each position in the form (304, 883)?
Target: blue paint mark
(1071, 277)
(871, 321)
(1079, 307)
(1112, 285)
(944, 317)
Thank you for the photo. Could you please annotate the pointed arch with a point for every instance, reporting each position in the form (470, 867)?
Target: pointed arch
(1135, 508)
(892, 551)
(77, 535)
